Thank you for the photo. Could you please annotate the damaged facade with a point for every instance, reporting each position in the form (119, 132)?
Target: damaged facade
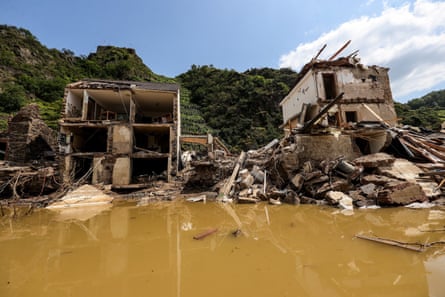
(351, 101)
(120, 132)
(366, 92)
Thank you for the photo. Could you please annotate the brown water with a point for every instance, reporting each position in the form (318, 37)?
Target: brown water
(131, 250)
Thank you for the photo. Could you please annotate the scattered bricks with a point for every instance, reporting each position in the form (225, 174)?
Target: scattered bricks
(368, 189)
(244, 200)
(337, 185)
(297, 181)
(308, 200)
(375, 160)
(247, 181)
(257, 174)
(289, 163)
(307, 167)
(258, 193)
(277, 194)
(379, 180)
(291, 198)
(400, 193)
(327, 166)
(315, 177)
(356, 196)
(340, 199)
(348, 170)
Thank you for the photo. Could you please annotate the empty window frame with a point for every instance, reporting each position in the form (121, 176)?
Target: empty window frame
(351, 116)
(329, 85)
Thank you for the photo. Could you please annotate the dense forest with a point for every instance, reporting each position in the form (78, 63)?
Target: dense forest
(239, 107)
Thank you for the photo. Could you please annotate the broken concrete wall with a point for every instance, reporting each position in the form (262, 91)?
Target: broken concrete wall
(102, 169)
(366, 93)
(122, 171)
(122, 139)
(368, 84)
(362, 85)
(325, 147)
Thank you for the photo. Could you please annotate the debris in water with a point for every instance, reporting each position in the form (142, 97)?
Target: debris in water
(205, 234)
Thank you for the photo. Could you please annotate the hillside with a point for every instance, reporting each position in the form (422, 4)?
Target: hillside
(427, 111)
(242, 108)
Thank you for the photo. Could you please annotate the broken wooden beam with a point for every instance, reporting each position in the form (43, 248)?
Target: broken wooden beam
(339, 50)
(205, 234)
(229, 184)
(418, 247)
(307, 126)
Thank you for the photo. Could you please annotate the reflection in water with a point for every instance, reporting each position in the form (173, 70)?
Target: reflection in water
(281, 251)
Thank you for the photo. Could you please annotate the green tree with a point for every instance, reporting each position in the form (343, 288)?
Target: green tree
(12, 97)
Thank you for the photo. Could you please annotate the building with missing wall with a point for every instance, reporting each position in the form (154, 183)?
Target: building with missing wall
(122, 133)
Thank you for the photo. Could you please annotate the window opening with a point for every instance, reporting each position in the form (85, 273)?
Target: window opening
(351, 116)
(329, 86)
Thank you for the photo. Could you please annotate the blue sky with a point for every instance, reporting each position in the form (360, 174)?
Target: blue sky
(171, 35)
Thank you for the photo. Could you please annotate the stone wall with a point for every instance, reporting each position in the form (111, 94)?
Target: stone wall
(29, 137)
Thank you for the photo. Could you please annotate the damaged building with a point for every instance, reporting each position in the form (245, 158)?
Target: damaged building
(29, 139)
(121, 133)
(29, 148)
(344, 97)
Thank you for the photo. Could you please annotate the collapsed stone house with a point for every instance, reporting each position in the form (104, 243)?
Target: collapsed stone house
(122, 133)
(29, 139)
(339, 107)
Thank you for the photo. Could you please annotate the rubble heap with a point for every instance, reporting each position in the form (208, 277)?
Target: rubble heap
(277, 174)
(30, 139)
(30, 169)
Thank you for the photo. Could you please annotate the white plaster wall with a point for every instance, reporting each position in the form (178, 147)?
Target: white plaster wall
(304, 92)
(73, 102)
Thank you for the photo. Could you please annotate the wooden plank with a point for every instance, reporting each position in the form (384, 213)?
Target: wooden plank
(228, 186)
(420, 151)
(319, 52)
(339, 51)
(425, 146)
(205, 234)
(375, 114)
(409, 246)
(221, 145)
(194, 139)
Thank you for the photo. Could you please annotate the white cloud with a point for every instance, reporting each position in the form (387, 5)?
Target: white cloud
(409, 39)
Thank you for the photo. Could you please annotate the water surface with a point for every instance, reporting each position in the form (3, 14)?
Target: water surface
(131, 250)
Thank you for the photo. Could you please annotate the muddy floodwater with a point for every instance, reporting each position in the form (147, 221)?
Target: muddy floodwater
(150, 250)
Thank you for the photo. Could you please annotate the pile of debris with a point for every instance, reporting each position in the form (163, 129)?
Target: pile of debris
(30, 168)
(18, 182)
(277, 174)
